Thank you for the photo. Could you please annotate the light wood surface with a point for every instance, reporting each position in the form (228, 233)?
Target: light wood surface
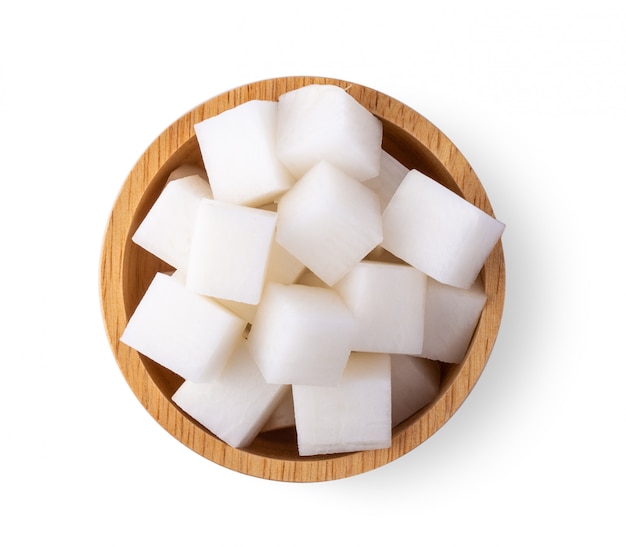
(126, 271)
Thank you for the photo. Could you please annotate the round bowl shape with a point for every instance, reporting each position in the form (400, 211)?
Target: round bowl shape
(127, 270)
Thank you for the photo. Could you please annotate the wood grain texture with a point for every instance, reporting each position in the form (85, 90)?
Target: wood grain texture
(127, 270)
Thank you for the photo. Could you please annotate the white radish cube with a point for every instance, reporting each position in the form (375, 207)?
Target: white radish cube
(186, 170)
(388, 301)
(236, 405)
(414, 384)
(189, 334)
(450, 320)
(437, 231)
(323, 122)
(238, 149)
(283, 267)
(329, 221)
(167, 228)
(229, 251)
(245, 311)
(391, 174)
(301, 335)
(283, 416)
(354, 415)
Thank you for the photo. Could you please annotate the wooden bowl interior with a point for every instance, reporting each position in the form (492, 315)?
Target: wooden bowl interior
(138, 268)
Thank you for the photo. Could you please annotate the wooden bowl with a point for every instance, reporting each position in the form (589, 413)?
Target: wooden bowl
(126, 271)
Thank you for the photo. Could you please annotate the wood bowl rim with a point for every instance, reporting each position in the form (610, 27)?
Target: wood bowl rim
(115, 314)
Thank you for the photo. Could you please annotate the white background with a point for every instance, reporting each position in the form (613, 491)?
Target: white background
(531, 92)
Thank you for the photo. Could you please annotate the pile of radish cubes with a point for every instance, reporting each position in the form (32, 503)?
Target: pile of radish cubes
(316, 282)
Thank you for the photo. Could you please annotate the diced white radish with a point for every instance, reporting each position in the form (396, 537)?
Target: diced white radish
(229, 251)
(301, 335)
(187, 170)
(437, 231)
(283, 416)
(190, 334)
(235, 406)
(167, 228)
(414, 383)
(450, 320)
(238, 149)
(245, 311)
(323, 122)
(329, 221)
(301, 295)
(391, 174)
(282, 266)
(388, 301)
(354, 415)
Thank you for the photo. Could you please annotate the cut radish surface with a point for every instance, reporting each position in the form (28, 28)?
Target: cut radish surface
(385, 184)
(241, 310)
(301, 335)
(238, 148)
(388, 301)
(414, 384)
(190, 334)
(237, 404)
(283, 267)
(437, 231)
(450, 320)
(323, 122)
(166, 230)
(187, 170)
(283, 416)
(229, 251)
(329, 221)
(354, 415)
